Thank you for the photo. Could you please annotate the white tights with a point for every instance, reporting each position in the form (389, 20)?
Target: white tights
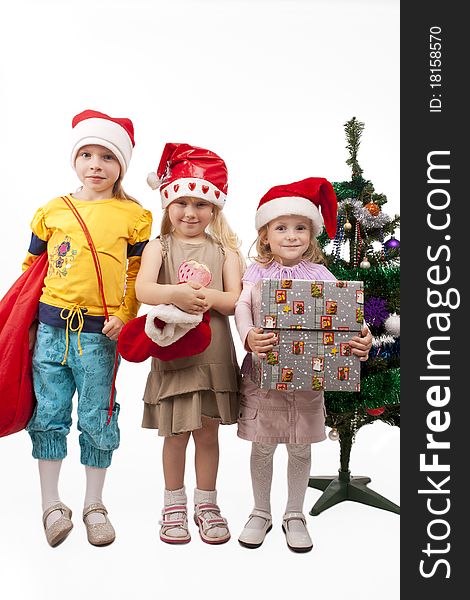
(49, 471)
(298, 473)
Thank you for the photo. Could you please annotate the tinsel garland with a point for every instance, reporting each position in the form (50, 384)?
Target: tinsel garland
(368, 221)
(338, 241)
(377, 390)
(380, 340)
(375, 311)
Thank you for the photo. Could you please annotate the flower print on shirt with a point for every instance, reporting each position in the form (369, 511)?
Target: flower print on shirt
(61, 258)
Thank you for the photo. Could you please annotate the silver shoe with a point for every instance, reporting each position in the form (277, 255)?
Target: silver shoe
(59, 530)
(99, 534)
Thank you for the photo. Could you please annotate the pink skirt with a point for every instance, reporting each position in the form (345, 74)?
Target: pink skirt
(280, 417)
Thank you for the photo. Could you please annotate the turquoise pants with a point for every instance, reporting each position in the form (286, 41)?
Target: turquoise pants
(91, 374)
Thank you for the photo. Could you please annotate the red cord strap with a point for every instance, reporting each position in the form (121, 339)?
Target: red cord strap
(99, 277)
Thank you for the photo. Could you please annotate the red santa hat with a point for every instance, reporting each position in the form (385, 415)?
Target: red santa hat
(305, 198)
(186, 170)
(180, 336)
(115, 134)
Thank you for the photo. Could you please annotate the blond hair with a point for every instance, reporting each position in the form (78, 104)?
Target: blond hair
(218, 228)
(265, 256)
(120, 194)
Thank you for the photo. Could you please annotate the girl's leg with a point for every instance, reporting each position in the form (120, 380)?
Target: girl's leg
(259, 522)
(261, 468)
(212, 526)
(174, 499)
(49, 471)
(174, 460)
(298, 472)
(93, 373)
(100, 531)
(94, 491)
(50, 424)
(206, 455)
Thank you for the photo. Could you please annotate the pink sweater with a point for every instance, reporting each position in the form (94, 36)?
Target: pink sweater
(243, 315)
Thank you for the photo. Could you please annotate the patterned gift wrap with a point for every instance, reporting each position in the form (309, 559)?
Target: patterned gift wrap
(314, 321)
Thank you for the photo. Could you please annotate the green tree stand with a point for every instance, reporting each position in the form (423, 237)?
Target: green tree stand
(344, 487)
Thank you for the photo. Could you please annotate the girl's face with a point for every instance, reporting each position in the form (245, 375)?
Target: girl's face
(289, 237)
(98, 169)
(190, 216)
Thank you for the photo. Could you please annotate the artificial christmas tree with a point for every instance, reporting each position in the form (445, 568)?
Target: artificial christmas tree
(364, 249)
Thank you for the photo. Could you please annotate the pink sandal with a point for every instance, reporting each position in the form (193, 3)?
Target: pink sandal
(207, 516)
(180, 523)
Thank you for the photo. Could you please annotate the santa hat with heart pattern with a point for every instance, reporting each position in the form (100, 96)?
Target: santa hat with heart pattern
(305, 198)
(186, 170)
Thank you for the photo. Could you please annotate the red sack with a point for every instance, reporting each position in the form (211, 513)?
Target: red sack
(18, 310)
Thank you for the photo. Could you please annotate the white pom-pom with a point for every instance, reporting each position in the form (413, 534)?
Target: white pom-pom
(153, 181)
(392, 325)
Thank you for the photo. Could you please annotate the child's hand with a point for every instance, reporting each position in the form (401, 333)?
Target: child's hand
(361, 344)
(32, 334)
(190, 297)
(112, 328)
(260, 342)
(209, 297)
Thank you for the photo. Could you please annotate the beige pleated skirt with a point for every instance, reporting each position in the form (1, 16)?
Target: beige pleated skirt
(184, 412)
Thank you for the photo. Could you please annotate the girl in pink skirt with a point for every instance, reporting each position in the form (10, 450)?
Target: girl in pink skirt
(288, 220)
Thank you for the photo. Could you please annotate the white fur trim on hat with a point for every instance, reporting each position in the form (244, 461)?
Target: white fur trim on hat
(177, 323)
(153, 181)
(290, 205)
(103, 132)
(194, 187)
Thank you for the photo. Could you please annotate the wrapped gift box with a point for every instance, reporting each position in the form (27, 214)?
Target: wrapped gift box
(314, 321)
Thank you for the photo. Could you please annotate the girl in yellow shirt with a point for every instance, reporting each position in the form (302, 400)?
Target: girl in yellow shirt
(75, 345)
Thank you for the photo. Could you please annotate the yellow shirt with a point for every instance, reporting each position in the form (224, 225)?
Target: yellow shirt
(119, 229)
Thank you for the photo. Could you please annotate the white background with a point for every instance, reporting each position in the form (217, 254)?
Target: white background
(268, 86)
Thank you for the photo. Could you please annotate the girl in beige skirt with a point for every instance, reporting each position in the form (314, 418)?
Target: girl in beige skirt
(190, 396)
(288, 220)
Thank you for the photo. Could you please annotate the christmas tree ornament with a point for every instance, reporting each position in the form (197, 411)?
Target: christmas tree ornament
(334, 435)
(392, 325)
(392, 247)
(373, 208)
(392, 244)
(375, 412)
(347, 226)
(357, 243)
(365, 264)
